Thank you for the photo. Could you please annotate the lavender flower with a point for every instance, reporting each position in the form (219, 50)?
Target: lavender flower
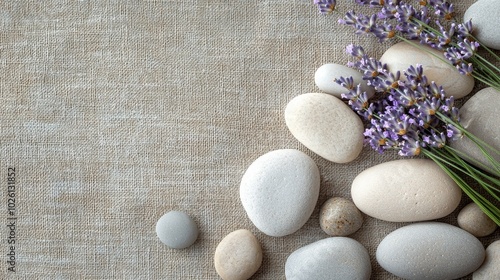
(326, 6)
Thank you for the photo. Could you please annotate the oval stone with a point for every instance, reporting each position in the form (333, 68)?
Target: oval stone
(339, 217)
(326, 74)
(331, 258)
(485, 16)
(176, 230)
(406, 190)
(401, 55)
(326, 126)
(480, 115)
(472, 219)
(279, 191)
(238, 256)
(430, 250)
(490, 269)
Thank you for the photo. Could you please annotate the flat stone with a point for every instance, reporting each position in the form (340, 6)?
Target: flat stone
(326, 74)
(326, 126)
(330, 259)
(238, 256)
(480, 115)
(430, 250)
(279, 191)
(490, 269)
(401, 55)
(472, 219)
(340, 217)
(176, 230)
(397, 191)
(485, 15)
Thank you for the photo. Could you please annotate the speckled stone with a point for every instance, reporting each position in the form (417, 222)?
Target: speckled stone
(430, 250)
(177, 230)
(340, 217)
(238, 256)
(490, 269)
(472, 219)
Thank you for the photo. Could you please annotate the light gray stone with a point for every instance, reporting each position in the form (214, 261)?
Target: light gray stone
(401, 55)
(326, 74)
(430, 250)
(490, 269)
(331, 258)
(472, 219)
(485, 15)
(480, 115)
(340, 217)
(279, 191)
(406, 190)
(177, 230)
(326, 126)
(238, 256)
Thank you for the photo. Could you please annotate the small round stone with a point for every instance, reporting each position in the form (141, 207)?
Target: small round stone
(238, 256)
(177, 230)
(472, 219)
(340, 217)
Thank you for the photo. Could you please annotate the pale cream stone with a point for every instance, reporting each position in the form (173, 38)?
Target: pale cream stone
(436, 67)
(472, 219)
(325, 125)
(406, 190)
(490, 269)
(485, 16)
(326, 74)
(238, 256)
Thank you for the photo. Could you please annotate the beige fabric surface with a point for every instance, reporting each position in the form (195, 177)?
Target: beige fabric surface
(116, 112)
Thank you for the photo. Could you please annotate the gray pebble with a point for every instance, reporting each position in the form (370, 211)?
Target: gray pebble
(472, 219)
(340, 217)
(177, 230)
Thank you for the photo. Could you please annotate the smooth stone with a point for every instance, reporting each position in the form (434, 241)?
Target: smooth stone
(326, 74)
(340, 217)
(401, 55)
(472, 219)
(430, 250)
(490, 269)
(326, 126)
(279, 191)
(406, 190)
(480, 115)
(485, 15)
(331, 258)
(176, 230)
(238, 256)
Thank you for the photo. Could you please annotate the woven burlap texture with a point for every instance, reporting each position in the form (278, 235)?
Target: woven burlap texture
(116, 112)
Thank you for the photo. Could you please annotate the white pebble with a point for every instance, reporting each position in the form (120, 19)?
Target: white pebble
(490, 269)
(406, 190)
(177, 230)
(326, 74)
(430, 250)
(401, 55)
(325, 125)
(279, 191)
(485, 15)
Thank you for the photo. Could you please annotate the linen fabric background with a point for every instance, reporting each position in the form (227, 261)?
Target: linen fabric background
(116, 112)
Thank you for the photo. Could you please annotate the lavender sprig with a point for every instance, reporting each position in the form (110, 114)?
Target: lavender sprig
(414, 117)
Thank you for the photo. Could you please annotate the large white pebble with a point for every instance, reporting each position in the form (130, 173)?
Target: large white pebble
(430, 250)
(238, 256)
(480, 115)
(400, 56)
(331, 258)
(326, 74)
(490, 269)
(405, 190)
(279, 191)
(485, 15)
(325, 125)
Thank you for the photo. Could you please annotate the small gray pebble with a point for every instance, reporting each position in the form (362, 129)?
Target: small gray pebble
(472, 219)
(177, 230)
(340, 217)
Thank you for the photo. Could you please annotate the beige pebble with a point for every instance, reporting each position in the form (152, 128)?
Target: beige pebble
(340, 217)
(238, 256)
(490, 269)
(472, 219)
